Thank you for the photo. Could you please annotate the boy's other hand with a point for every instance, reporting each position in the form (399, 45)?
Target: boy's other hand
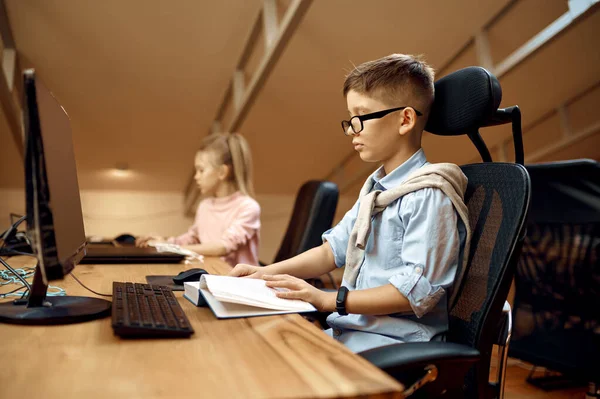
(145, 241)
(243, 270)
(300, 289)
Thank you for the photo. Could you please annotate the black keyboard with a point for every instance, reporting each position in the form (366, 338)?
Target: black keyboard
(147, 311)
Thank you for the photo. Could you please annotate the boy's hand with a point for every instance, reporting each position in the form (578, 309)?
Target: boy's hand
(300, 289)
(242, 270)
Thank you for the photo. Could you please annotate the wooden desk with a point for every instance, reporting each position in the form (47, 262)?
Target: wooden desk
(276, 356)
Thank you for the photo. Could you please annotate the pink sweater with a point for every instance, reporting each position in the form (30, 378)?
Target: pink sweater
(234, 221)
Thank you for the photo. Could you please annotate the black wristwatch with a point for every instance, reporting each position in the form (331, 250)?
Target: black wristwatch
(340, 301)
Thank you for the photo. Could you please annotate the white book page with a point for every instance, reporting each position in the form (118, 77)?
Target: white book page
(251, 292)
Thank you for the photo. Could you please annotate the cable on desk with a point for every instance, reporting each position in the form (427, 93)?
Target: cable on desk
(20, 276)
(11, 252)
(17, 275)
(89, 289)
(12, 293)
(14, 226)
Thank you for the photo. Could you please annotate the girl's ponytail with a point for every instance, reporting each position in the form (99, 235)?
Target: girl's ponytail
(241, 161)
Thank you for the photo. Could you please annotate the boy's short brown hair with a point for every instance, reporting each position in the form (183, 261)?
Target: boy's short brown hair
(396, 77)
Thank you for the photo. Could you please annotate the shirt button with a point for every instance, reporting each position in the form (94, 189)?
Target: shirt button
(337, 332)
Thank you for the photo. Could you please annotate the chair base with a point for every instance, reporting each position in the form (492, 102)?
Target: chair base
(593, 391)
(554, 382)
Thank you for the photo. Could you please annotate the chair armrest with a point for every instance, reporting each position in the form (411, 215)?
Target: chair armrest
(413, 354)
(406, 363)
(504, 326)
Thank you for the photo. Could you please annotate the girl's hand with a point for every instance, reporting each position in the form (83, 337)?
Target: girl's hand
(300, 289)
(145, 241)
(243, 270)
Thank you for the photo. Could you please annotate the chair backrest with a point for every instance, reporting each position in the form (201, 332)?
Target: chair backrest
(557, 297)
(497, 198)
(313, 214)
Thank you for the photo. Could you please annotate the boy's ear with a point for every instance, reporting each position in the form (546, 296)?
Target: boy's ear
(408, 120)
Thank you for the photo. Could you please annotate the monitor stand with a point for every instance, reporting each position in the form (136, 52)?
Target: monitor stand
(37, 309)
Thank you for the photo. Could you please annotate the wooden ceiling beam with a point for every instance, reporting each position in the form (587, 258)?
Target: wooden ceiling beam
(577, 10)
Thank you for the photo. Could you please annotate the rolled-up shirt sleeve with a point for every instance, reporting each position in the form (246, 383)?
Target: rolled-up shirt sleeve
(245, 226)
(188, 238)
(430, 249)
(338, 236)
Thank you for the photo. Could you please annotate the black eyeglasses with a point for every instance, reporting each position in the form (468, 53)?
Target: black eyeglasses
(356, 122)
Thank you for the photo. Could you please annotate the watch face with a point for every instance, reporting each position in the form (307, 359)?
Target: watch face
(341, 294)
(340, 301)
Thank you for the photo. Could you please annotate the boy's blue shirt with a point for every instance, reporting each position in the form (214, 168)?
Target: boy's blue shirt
(414, 244)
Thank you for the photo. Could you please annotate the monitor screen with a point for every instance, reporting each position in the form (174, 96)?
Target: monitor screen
(54, 217)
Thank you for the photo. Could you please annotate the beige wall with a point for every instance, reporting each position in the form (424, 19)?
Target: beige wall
(108, 213)
(275, 216)
(276, 211)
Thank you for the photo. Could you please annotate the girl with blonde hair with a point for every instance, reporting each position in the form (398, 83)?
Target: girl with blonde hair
(227, 221)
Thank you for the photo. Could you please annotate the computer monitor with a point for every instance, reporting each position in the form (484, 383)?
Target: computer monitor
(54, 218)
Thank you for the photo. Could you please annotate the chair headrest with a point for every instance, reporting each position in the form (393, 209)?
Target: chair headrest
(465, 100)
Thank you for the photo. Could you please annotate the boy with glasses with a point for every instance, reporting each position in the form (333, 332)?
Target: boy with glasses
(405, 241)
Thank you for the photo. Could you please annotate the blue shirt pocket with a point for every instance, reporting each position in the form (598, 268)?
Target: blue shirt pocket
(390, 246)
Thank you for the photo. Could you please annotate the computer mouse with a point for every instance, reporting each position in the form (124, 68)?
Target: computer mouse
(189, 275)
(125, 239)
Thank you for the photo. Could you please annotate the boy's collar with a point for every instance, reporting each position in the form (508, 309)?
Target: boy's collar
(398, 175)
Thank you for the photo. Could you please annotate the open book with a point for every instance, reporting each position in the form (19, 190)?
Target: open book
(230, 297)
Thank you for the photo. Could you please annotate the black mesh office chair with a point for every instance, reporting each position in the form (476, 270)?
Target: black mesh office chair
(556, 310)
(497, 197)
(313, 214)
